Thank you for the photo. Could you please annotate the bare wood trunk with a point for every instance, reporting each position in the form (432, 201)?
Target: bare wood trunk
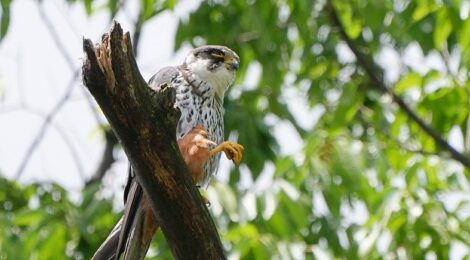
(145, 123)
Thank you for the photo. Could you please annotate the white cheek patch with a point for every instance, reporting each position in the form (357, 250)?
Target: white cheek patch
(220, 79)
(223, 77)
(199, 67)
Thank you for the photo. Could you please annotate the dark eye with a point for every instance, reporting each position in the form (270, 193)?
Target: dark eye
(217, 53)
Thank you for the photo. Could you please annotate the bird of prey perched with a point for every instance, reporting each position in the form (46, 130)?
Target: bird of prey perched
(200, 83)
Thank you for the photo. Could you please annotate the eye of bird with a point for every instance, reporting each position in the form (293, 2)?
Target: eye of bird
(217, 54)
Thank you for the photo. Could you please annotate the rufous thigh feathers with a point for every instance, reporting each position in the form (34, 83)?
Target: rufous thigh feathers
(194, 147)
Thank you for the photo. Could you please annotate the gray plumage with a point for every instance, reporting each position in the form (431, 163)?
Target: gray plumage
(198, 106)
(200, 100)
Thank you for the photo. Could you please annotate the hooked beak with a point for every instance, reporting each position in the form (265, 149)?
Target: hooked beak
(231, 63)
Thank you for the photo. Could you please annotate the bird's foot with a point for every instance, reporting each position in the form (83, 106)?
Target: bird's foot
(233, 151)
(206, 201)
(203, 196)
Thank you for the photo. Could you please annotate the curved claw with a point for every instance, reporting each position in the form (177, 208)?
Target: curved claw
(233, 151)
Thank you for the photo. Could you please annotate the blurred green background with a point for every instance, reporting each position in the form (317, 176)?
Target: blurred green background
(355, 120)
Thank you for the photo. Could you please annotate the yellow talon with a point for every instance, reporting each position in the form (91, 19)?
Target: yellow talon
(233, 151)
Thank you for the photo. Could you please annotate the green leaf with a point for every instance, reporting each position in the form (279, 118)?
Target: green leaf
(113, 6)
(279, 224)
(454, 100)
(54, 245)
(147, 9)
(350, 102)
(411, 80)
(351, 23)
(318, 70)
(170, 4)
(227, 198)
(297, 213)
(28, 218)
(4, 17)
(442, 28)
(88, 6)
(424, 8)
(463, 35)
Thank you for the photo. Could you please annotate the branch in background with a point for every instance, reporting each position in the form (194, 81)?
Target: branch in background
(70, 62)
(107, 159)
(137, 31)
(145, 122)
(445, 55)
(386, 133)
(376, 77)
(50, 116)
(45, 126)
(55, 37)
(60, 131)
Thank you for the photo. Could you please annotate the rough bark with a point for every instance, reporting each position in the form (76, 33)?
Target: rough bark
(145, 123)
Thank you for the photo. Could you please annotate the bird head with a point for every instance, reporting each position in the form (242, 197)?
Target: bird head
(214, 64)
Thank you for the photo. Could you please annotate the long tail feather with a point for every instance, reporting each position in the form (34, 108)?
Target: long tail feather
(141, 234)
(107, 250)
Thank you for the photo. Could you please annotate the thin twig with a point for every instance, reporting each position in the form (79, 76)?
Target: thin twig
(445, 55)
(401, 145)
(45, 125)
(377, 78)
(72, 66)
(107, 159)
(137, 31)
(56, 37)
(60, 131)
(70, 62)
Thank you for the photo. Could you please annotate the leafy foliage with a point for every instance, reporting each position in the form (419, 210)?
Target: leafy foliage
(364, 155)
(40, 221)
(367, 181)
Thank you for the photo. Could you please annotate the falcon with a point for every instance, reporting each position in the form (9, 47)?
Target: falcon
(200, 83)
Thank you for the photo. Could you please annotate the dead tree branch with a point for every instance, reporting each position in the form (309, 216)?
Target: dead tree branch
(107, 157)
(378, 81)
(145, 123)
